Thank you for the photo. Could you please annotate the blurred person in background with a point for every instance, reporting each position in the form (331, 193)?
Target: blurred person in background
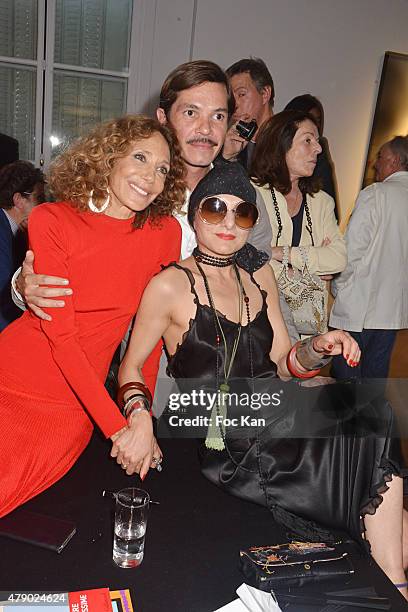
(21, 188)
(371, 294)
(254, 94)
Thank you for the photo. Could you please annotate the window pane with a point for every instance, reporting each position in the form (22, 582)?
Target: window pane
(81, 102)
(17, 107)
(18, 28)
(93, 33)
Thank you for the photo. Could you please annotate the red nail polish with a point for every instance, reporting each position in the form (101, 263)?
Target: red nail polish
(347, 356)
(142, 478)
(330, 347)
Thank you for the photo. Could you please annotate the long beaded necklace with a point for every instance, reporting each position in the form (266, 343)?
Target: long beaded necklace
(213, 440)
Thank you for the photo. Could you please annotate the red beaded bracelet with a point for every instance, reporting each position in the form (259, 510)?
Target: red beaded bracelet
(292, 365)
(133, 386)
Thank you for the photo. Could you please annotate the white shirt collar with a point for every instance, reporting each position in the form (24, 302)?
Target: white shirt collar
(399, 173)
(13, 224)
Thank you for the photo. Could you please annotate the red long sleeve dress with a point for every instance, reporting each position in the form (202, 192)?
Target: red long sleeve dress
(52, 373)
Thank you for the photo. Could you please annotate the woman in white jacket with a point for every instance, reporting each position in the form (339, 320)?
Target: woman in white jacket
(302, 216)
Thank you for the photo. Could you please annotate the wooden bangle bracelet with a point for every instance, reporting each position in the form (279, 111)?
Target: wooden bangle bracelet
(292, 366)
(133, 386)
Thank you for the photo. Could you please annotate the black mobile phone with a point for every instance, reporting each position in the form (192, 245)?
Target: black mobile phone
(246, 129)
(38, 529)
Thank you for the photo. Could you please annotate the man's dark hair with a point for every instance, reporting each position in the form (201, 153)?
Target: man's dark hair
(274, 140)
(18, 177)
(306, 103)
(258, 72)
(190, 75)
(399, 146)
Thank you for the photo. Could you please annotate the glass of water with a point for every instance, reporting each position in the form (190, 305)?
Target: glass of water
(132, 507)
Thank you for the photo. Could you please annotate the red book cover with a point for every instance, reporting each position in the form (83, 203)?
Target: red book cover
(94, 600)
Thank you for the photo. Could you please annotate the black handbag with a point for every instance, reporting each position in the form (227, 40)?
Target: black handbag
(296, 563)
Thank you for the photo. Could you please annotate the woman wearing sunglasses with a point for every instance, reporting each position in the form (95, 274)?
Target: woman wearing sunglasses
(304, 226)
(219, 316)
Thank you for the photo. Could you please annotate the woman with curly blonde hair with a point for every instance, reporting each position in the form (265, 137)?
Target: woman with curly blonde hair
(109, 232)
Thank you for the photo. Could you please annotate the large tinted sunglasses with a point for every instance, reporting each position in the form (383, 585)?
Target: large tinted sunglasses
(213, 210)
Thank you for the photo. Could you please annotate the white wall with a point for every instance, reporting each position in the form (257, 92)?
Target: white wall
(330, 48)
(171, 37)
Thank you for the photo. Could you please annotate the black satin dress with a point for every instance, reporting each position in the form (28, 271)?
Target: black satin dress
(324, 456)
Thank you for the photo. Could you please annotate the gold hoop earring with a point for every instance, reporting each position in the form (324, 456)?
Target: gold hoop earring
(94, 208)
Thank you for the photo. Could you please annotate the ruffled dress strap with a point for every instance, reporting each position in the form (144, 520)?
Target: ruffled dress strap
(190, 277)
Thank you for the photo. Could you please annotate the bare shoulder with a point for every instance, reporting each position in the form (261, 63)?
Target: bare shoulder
(168, 284)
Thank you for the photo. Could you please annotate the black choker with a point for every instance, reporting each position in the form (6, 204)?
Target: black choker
(210, 260)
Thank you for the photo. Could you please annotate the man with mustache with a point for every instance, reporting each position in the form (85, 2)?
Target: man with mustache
(196, 100)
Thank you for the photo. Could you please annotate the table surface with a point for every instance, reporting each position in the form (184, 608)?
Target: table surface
(192, 542)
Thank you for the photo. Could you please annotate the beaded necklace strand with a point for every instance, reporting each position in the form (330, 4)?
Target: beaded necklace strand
(213, 440)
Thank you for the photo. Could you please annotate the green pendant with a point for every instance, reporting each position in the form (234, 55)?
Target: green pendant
(224, 388)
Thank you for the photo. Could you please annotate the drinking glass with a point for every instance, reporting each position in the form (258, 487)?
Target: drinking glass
(132, 507)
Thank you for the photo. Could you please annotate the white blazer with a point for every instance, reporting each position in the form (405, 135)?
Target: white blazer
(372, 292)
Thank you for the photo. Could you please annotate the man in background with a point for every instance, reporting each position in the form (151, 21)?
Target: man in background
(372, 292)
(21, 188)
(254, 94)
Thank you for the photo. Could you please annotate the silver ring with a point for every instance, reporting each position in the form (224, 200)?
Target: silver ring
(158, 461)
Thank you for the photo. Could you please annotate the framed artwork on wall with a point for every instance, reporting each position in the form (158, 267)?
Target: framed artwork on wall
(391, 111)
